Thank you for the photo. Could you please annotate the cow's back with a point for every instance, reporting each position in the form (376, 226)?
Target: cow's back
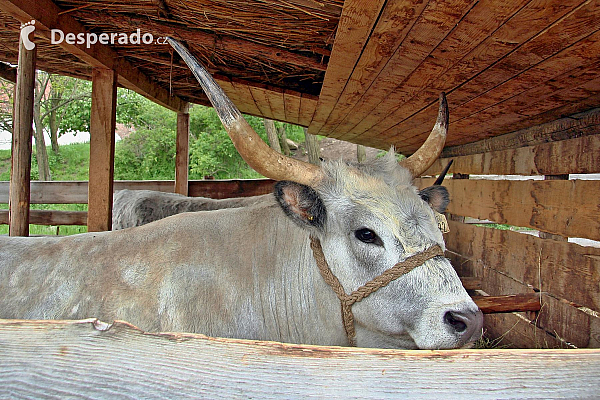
(139, 207)
(173, 274)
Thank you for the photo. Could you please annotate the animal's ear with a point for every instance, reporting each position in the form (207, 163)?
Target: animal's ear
(301, 203)
(436, 196)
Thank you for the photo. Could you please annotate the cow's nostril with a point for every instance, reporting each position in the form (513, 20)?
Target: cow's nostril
(456, 321)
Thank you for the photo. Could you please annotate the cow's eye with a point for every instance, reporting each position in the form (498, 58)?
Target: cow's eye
(368, 236)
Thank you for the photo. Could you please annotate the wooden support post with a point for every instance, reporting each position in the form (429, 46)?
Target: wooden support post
(18, 201)
(102, 149)
(182, 152)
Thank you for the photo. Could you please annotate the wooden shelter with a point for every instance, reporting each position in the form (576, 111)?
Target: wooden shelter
(522, 79)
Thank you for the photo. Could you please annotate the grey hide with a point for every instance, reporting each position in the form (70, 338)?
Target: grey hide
(249, 272)
(138, 207)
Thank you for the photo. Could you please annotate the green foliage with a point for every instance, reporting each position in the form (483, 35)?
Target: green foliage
(146, 154)
(211, 151)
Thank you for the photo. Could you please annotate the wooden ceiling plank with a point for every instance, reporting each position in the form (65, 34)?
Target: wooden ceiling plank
(262, 101)
(245, 93)
(356, 22)
(47, 17)
(559, 38)
(568, 69)
(277, 102)
(308, 105)
(518, 29)
(396, 20)
(480, 21)
(291, 100)
(549, 38)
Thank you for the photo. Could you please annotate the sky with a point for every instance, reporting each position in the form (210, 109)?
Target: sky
(67, 138)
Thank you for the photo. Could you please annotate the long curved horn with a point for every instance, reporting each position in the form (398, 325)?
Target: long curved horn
(251, 147)
(429, 151)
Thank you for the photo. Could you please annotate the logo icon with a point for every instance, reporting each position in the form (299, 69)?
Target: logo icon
(26, 30)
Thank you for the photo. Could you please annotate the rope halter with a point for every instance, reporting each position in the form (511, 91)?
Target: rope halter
(347, 300)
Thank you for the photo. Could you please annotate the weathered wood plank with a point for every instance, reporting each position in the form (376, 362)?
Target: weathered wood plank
(291, 100)
(436, 23)
(412, 94)
(509, 262)
(527, 43)
(515, 330)
(356, 23)
(217, 189)
(261, 99)
(19, 193)
(566, 270)
(572, 156)
(308, 104)
(51, 217)
(83, 358)
(566, 208)
(582, 124)
(75, 192)
(394, 24)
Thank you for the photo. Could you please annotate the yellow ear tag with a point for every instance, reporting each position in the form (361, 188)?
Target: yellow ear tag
(441, 222)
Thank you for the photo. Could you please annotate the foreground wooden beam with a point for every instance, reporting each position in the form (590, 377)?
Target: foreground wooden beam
(18, 201)
(182, 153)
(48, 15)
(87, 358)
(102, 149)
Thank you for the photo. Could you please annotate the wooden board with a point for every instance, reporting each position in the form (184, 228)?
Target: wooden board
(51, 217)
(222, 189)
(84, 358)
(566, 270)
(356, 23)
(528, 43)
(566, 208)
(572, 156)
(75, 192)
(510, 262)
(582, 124)
(447, 33)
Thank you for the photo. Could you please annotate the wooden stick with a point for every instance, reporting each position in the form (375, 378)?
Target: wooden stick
(509, 303)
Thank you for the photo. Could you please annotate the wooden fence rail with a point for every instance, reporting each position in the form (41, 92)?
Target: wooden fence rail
(85, 359)
(76, 192)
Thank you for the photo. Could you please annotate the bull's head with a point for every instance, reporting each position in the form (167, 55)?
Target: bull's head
(368, 218)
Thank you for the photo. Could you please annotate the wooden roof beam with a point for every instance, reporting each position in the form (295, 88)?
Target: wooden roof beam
(47, 16)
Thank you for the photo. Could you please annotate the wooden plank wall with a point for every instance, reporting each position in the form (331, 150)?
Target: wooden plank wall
(88, 358)
(509, 262)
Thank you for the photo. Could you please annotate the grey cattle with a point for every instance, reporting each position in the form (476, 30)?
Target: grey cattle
(249, 272)
(139, 207)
